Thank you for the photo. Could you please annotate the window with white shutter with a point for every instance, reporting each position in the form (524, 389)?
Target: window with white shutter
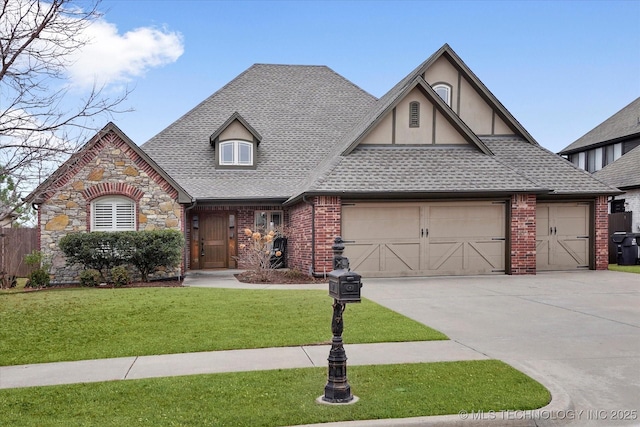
(113, 214)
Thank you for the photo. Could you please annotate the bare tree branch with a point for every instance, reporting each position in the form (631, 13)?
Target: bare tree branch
(38, 128)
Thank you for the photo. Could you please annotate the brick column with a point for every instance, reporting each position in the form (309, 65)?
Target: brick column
(327, 227)
(523, 234)
(601, 220)
(299, 241)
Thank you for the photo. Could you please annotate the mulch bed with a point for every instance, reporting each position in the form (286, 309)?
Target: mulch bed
(156, 284)
(281, 277)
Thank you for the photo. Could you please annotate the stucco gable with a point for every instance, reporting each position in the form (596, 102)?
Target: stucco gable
(235, 127)
(440, 67)
(438, 125)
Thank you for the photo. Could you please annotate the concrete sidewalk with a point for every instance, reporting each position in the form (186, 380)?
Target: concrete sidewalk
(127, 368)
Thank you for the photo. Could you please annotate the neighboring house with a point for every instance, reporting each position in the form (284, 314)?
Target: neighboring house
(7, 218)
(610, 152)
(434, 178)
(624, 174)
(608, 141)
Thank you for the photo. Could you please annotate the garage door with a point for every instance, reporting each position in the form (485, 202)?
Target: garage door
(412, 239)
(562, 236)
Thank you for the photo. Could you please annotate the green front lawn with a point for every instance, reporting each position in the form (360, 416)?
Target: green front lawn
(77, 324)
(625, 268)
(274, 398)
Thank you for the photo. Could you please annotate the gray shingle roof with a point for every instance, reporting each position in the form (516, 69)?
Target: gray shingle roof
(426, 169)
(545, 168)
(516, 166)
(624, 172)
(309, 117)
(624, 123)
(300, 112)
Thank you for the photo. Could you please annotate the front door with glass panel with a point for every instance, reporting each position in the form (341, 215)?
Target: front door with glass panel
(213, 241)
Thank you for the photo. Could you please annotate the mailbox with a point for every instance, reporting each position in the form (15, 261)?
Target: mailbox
(345, 285)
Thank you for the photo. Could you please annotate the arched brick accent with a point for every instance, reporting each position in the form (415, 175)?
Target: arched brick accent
(112, 189)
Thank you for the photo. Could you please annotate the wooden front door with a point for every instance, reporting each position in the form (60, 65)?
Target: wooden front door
(213, 241)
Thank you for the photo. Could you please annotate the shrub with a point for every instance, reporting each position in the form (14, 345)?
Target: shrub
(90, 278)
(8, 280)
(258, 251)
(154, 249)
(145, 250)
(120, 276)
(39, 276)
(97, 250)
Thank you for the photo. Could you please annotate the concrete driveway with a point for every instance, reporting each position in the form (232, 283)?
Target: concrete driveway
(577, 330)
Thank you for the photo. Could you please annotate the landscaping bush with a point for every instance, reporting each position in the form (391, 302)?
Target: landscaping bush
(154, 249)
(120, 277)
(98, 250)
(256, 254)
(145, 250)
(90, 278)
(39, 276)
(8, 280)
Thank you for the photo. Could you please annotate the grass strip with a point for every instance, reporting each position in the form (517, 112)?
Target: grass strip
(79, 324)
(276, 398)
(625, 268)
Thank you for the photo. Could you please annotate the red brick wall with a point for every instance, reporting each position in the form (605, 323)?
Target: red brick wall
(299, 242)
(523, 234)
(327, 227)
(601, 233)
(328, 214)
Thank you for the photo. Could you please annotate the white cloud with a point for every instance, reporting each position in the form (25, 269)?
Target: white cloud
(111, 58)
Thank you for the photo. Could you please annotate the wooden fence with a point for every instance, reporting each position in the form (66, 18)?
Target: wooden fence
(620, 221)
(15, 243)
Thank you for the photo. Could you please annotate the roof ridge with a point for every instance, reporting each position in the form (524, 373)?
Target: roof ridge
(588, 140)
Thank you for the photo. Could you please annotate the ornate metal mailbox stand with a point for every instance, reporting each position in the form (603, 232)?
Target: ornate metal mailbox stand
(344, 287)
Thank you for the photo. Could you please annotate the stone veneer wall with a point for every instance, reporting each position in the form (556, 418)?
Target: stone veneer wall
(108, 167)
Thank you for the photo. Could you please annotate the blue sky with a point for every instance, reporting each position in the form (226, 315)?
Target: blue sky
(561, 68)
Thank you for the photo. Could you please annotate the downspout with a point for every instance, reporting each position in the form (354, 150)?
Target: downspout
(313, 239)
(184, 257)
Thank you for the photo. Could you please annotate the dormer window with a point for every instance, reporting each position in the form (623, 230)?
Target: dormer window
(235, 144)
(236, 153)
(444, 91)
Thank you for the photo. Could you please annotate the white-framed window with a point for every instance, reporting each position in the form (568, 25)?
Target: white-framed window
(238, 153)
(113, 213)
(268, 220)
(444, 91)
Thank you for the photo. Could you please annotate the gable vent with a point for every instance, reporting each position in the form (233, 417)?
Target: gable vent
(414, 114)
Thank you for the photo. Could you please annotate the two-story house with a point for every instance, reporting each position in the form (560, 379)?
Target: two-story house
(611, 151)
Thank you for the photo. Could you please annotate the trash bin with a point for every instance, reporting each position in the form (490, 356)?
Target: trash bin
(628, 247)
(278, 252)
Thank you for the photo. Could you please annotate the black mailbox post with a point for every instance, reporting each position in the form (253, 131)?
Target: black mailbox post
(344, 287)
